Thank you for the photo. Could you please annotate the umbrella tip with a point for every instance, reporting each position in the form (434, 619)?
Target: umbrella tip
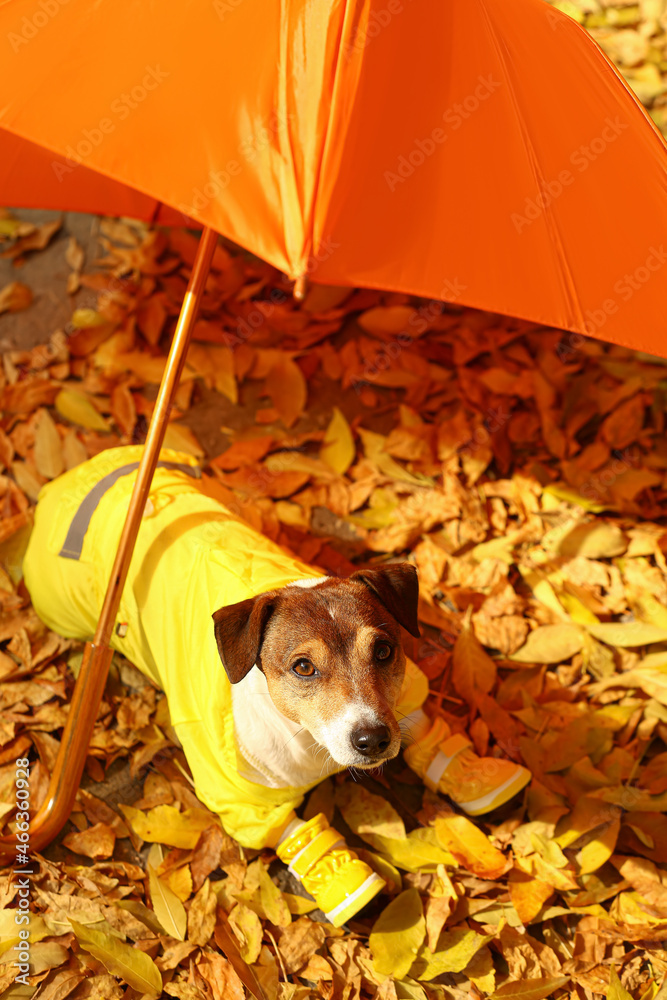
(300, 288)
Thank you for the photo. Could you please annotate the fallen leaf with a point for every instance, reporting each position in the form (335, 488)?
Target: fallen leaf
(551, 644)
(338, 449)
(135, 967)
(247, 929)
(76, 407)
(287, 388)
(166, 825)
(454, 950)
(473, 670)
(96, 842)
(15, 297)
(529, 989)
(397, 934)
(48, 446)
(470, 846)
(167, 906)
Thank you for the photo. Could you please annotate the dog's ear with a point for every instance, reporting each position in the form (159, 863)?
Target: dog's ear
(397, 586)
(239, 630)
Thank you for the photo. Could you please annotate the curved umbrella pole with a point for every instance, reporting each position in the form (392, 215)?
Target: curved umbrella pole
(91, 681)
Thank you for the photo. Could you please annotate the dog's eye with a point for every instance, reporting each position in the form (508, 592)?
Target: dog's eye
(383, 651)
(304, 668)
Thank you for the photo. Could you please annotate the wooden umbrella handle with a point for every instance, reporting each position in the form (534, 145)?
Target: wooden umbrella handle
(89, 687)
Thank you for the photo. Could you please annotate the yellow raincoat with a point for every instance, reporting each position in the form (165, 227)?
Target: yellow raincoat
(192, 557)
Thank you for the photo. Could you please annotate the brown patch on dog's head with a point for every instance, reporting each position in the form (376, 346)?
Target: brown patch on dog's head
(239, 630)
(331, 654)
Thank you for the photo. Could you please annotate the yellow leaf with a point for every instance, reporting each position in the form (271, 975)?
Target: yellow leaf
(271, 899)
(594, 540)
(247, 928)
(598, 850)
(338, 449)
(9, 929)
(287, 388)
(167, 906)
(454, 950)
(627, 634)
(166, 825)
(216, 366)
(418, 852)
(481, 971)
(498, 548)
(542, 590)
(134, 966)
(550, 644)
(470, 846)
(48, 446)
(83, 318)
(26, 479)
(529, 989)
(383, 868)
(473, 670)
(651, 679)
(397, 935)
(616, 990)
(366, 813)
(562, 492)
(180, 438)
(374, 450)
(76, 407)
(386, 319)
(180, 882)
(298, 905)
(294, 461)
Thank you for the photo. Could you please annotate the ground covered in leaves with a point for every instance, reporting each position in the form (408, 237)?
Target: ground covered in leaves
(524, 472)
(634, 36)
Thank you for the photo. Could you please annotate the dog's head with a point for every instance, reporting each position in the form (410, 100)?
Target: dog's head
(332, 656)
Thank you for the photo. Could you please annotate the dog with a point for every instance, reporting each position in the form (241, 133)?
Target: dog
(315, 677)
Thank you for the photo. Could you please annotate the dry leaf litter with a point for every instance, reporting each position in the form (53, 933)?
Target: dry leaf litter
(523, 471)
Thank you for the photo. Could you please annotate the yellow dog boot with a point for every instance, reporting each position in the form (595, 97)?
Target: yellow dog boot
(339, 881)
(449, 765)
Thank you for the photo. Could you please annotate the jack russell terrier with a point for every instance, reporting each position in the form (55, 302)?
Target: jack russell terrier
(315, 678)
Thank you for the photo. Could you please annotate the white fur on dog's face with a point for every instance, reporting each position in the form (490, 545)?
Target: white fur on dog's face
(338, 628)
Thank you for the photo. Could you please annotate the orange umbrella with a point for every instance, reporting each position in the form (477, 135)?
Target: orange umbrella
(483, 151)
(475, 150)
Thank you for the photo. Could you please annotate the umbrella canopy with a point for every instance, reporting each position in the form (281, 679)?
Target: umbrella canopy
(481, 151)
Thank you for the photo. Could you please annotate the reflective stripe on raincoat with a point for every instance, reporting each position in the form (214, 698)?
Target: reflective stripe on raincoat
(192, 557)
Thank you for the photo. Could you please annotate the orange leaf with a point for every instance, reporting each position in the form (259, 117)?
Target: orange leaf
(123, 409)
(473, 670)
(528, 894)
(287, 388)
(14, 297)
(470, 846)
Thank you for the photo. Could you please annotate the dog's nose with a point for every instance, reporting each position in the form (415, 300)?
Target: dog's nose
(371, 741)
